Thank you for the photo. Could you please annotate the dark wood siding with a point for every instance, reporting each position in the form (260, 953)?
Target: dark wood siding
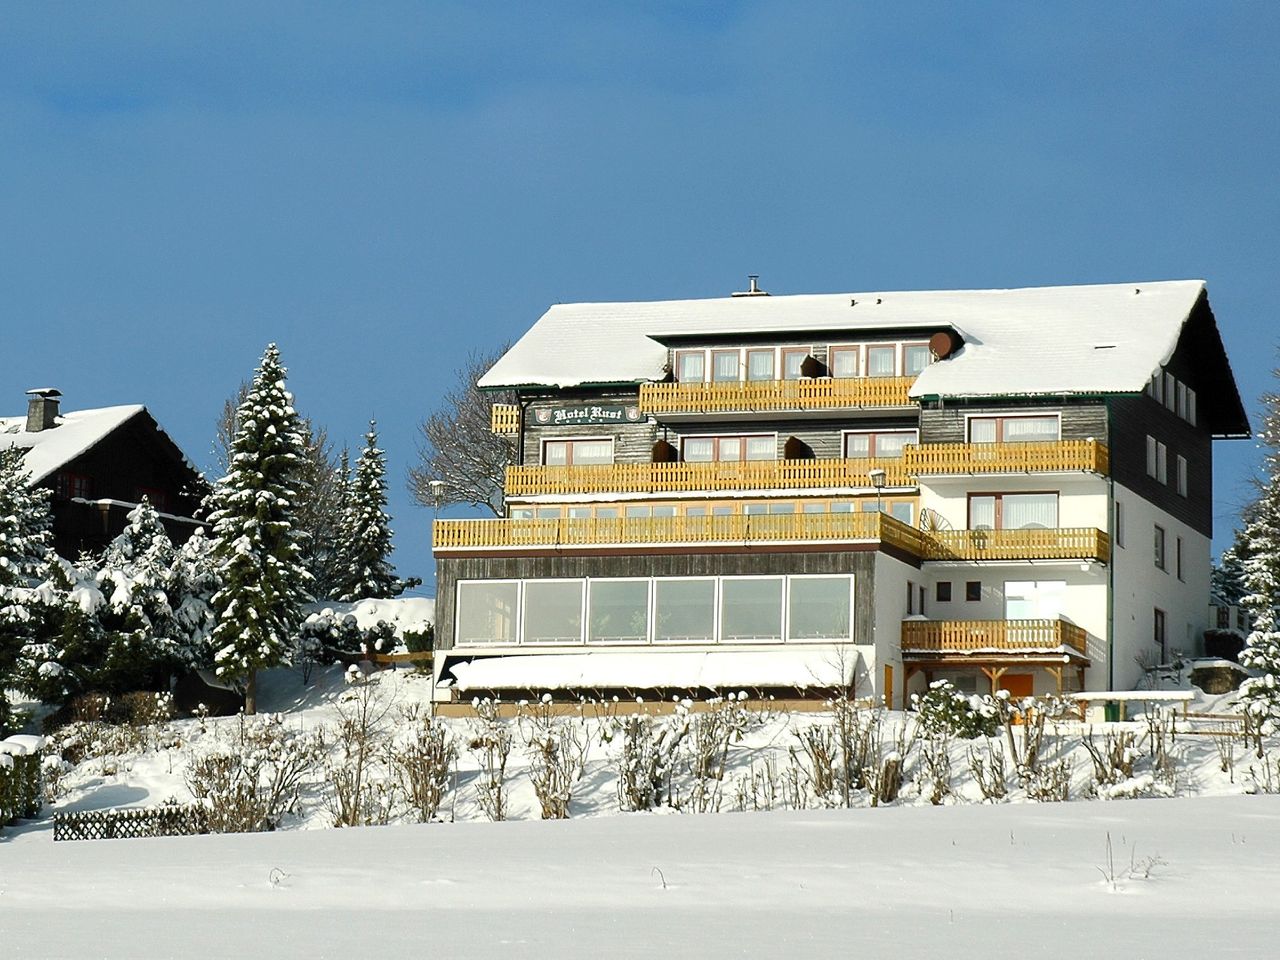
(859, 563)
(1133, 419)
(823, 436)
(632, 442)
(1081, 419)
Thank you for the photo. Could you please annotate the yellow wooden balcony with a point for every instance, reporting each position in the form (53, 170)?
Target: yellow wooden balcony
(1066, 543)
(824, 393)
(530, 481)
(1025, 636)
(733, 529)
(1056, 456)
(504, 419)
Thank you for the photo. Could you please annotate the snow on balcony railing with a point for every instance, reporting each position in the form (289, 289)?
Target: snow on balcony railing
(1044, 456)
(752, 395)
(941, 636)
(1067, 543)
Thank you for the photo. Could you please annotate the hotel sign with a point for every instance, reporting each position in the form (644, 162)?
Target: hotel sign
(587, 413)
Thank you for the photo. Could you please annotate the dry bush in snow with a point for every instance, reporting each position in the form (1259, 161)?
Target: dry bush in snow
(646, 758)
(359, 791)
(491, 745)
(988, 769)
(557, 748)
(422, 761)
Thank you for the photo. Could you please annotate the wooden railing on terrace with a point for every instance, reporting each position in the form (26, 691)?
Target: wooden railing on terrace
(938, 636)
(1044, 456)
(504, 419)
(753, 395)
(640, 531)
(1065, 543)
(527, 481)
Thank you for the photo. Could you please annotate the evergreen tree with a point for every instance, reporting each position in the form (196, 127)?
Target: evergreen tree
(195, 583)
(1262, 575)
(368, 527)
(258, 550)
(1226, 582)
(25, 541)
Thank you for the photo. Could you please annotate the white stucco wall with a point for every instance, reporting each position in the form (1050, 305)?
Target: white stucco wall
(1082, 500)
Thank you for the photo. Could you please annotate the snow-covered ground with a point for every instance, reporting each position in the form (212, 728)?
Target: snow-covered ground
(1188, 876)
(962, 882)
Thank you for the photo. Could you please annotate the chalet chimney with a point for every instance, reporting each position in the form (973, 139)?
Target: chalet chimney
(42, 409)
(753, 288)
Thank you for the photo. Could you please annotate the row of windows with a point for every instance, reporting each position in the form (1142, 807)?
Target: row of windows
(1158, 465)
(845, 360)
(1177, 397)
(662, 610)
(68, 485)
(900, 509)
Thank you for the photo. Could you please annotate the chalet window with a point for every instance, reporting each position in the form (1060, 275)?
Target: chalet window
(552, 611)
(579, 513)
(696, 510)
(560, 453)
(1182, 475)
(882, 360)
(792, 360)
(973, 590)
(1013, 511)
(1158, 632)
(1162, 462)
(1151, 456)
(903, 510)
(547, 513)
(776, 507)
(724, 366)
(915, 357)
(1117, 532)
(843, 361)
(684, 611)
(942, 591)
(618, 611)
(691, 366)
(645, 510)
(820, 608)
(1033, 599)
(1191, 407)
(708, 449)
(70, 485)
(487, 611)
(760, 364)
(751, 608)
(878, 443)
(1159, 547)
(1170, 391)
(1029, 429)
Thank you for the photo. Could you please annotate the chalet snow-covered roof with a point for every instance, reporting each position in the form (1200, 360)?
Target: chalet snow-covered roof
(76, 432)
(1102, 338)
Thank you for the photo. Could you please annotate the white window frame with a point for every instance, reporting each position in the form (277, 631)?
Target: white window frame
(1162, 463)
(715, 612)
(722, 436)
(611, 440)
(970, 417)
(522, 640)
(1181, 475)
(846, 434)
(786, 607)
(646, 640)
(782, 620)
(519, 611)
(1151, 456)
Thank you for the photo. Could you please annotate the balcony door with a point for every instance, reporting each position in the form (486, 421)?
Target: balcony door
(1034, 599)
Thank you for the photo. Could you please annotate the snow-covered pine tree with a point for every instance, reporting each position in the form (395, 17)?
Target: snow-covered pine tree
(1262, 575)
(368, 527)
(195, 583)
(257, 555)
(1226, 581)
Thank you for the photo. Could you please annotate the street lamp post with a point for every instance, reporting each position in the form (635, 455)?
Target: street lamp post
(878, 480)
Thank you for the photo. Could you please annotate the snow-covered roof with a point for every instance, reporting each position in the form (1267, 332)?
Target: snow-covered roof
(76, 431)
(1102, 338)
(651, 669)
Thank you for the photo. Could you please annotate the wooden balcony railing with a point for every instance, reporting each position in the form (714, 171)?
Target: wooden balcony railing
(762, 395)
(528, 481)
(504, 419)
(940, 636)
(1047, 456)
(642, 531)
(1067, 543)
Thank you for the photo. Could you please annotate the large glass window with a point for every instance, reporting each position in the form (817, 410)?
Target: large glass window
(619, 611)
(878, 443)
(553, 611)
(751, 609)
(560, 453)
(1013, 511)
(760, 364)
(691, 366)
(684, 611)
(487, 611)
(1013, 429)
(820, 609)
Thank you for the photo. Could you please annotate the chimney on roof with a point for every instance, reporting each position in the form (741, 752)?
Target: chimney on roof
(753, 288)
(42, 409)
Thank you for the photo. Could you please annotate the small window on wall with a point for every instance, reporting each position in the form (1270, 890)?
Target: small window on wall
(942, 591)
(1151, 456)
(1160, 633)
(760, 364)
(915, 357)
(878, 443)
(843, 361)
(487, 611)
(1177, 557)
(1118, 532)
(70, 485)
(691, 366)
(973, 590)
(792, 361)
(1162, 463)
(1037, 429)
(618, 611)
(1159, 548)
(882, 360)
(820, 609)
(724, 366)
(1182, 475)
(751, 609)
(562, 453)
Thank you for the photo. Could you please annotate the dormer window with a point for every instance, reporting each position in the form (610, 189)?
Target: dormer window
(724, 366)
(760, 364)
(882, 360)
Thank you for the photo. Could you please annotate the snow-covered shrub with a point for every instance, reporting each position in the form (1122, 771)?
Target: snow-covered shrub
(557, 748)
(945, 710)
(988, 769)
(647, 757)
(84, 740)
(422, 760)
(1112, 761)
(248, 781)
(710, 734)
(491, 745)
(818, 742)
(1050, 782)
(356, 778)
(934, 775)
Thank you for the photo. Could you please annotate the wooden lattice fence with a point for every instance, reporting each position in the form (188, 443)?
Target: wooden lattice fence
(131, 823)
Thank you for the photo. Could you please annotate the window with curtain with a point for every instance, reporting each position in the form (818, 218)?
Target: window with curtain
(792, 360)
(878, 443)
(843, 361)
(1013, 511)
(882, 361)
(559, 453)
(724, 366)
(915, 357)
(691, 366)
(706, 449)
(760, 364)
(1013, 429)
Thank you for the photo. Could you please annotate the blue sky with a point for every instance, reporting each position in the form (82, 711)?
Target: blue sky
(384, 187)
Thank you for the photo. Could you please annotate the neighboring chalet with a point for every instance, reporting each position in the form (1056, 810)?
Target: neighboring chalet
(99, 464)
(1010, 489)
